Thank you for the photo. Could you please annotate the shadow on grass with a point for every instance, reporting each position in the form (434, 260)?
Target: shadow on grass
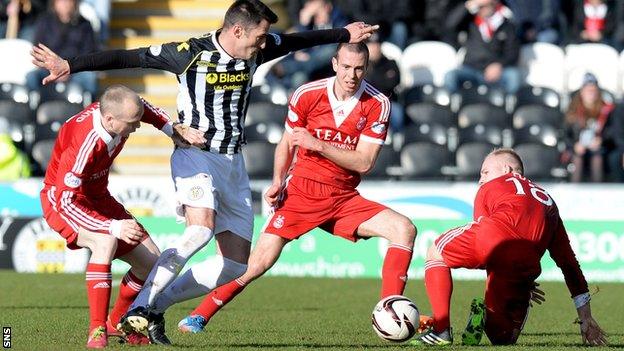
(312, 346)
(44, 307)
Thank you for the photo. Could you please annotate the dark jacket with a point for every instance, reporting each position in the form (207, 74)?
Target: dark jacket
(579, 22)
(67, 40)
(384, 75)
(504, 47)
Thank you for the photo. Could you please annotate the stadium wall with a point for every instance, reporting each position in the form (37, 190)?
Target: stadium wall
(592, 214)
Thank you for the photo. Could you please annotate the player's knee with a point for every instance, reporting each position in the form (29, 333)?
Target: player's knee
(194, 238)
(404, 231)
(231, 270)
(433, 254)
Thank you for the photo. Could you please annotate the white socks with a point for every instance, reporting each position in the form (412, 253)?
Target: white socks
(171, 262)
(198, 281)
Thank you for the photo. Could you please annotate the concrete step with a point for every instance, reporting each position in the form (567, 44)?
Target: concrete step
(134, 42)
(166, 23)
(176, 8)
(151, 84)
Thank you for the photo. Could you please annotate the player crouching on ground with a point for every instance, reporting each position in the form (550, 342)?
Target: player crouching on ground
(77, 204)
(515, 222)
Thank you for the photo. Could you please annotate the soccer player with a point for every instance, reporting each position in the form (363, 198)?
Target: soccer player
(214, 74)
(515, 222)
(76, 202)
(336, 127)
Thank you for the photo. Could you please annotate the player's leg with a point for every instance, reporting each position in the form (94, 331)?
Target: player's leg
(400, 232)
(512, 269)
(264, 255)
(98, 278)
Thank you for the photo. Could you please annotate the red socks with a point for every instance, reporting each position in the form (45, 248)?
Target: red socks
(394, 271)
(128, 291)
(98, 293)
(218, 298)
(439, 289)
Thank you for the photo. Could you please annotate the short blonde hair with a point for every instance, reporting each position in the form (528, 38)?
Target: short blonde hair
(512, 155)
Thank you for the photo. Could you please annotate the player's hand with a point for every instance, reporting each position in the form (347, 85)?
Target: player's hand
(47, 59)
(272, 195)
(301, 137)
(131, 231)
(591, 332)
(185, 136)
(360, 31)
(537, 295)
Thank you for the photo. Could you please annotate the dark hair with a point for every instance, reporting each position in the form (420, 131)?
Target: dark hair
(359, 48)
(248, 13)
(511, 153)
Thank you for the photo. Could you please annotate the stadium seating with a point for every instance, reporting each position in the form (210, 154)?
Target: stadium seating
(485, 114)
(387, 157)
(481, 134)
(600, 59)
(14, 92)
(41, 153)
(15, 61)
(470, 94)
(424, 160)
(259, 77)
(391, 51)
(541, 162)
(468, 159)
(275, 94)
(426, 62)
(18, 112)
(537, 114)
(56, 111)
(72, 93)
(48, 130)
(266, 112)
(543, 65)
(528, 95)
(264, 131)
(259, 159)
(430, 133)
(429, 113)
(426, 93)
(537, 134)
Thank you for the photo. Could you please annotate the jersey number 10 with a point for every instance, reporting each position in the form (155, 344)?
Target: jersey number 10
(538, 194)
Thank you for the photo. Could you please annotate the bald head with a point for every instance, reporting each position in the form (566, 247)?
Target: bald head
(121, 110)
(500, 162)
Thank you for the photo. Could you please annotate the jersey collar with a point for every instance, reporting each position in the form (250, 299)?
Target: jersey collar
(110, 142)
(342, 109)
(213, 36)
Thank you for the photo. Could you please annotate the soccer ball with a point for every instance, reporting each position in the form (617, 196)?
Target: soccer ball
(395, 318)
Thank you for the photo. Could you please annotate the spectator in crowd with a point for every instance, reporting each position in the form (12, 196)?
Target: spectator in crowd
(296, 69)
(594, 21)
(68, 34)
(614, 138)
(14, 164)
(391, 15)
(384, 74)
(585, 120)
(491, 45)
(428, 20)
(25, 12)
(102, 10)
(536, 20)
(618, 34)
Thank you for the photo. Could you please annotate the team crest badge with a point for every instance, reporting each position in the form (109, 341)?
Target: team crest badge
(195, 193)
(278, 222)
(361, 123)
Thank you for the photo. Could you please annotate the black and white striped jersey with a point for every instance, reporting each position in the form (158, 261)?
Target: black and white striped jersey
(213, 87)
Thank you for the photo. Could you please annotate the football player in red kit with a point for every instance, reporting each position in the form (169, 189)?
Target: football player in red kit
(515, 222)
(339, 125)
(76, 202)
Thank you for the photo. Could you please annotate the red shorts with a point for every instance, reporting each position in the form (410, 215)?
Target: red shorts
(308, 204)
(107, 207)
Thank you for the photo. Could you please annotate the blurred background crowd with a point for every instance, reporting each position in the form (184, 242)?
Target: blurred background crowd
(542, 76)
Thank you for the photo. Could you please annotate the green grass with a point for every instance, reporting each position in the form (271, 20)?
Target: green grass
(49, 312)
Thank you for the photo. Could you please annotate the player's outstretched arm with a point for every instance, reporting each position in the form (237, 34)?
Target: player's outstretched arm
(591, 332)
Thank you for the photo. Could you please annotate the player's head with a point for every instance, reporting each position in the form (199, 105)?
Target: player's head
(500, 162)
(248, 21)
(121, 110)
(350, 63)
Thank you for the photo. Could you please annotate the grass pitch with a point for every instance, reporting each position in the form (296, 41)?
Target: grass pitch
(50, 312)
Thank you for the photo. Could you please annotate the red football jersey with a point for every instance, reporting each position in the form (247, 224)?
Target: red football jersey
(528, 212)
(343, 124)
(83, 153)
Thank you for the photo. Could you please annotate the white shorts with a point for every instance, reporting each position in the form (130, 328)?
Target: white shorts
(216, 181)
